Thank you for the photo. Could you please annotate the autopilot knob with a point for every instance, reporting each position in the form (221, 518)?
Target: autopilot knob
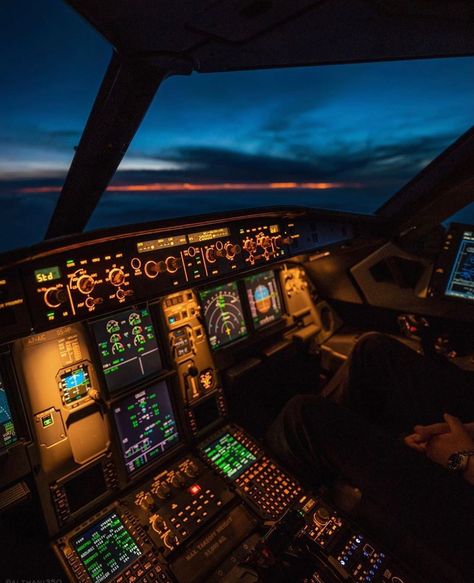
(322, 516)
(231, 250)
(55, 296)
(173, 264)
(211, 255)
(154, 268)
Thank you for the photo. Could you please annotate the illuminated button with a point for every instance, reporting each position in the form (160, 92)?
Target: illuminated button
(194, 489)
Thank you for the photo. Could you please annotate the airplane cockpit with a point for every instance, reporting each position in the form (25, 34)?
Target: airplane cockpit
(141, 366)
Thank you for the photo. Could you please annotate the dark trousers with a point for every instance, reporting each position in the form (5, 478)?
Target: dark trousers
(381, 392)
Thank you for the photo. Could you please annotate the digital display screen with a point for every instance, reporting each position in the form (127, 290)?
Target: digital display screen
(74, 384)
(163, 243)
(264, 298)
(47, 274)
(229, 456)
(146, 425)
(85, 487)
(461, 279)
(127, 347)
(223, 314)
(206, 413)
(180, 341)
(7, 429)
(106, 548)
(202, 236)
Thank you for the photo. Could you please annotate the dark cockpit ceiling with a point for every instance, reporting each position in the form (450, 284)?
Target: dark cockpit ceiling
(102, 332)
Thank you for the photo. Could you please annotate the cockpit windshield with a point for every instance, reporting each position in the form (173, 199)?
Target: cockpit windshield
(342, 137)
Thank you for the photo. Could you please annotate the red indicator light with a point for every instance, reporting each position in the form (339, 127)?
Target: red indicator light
(194, 489)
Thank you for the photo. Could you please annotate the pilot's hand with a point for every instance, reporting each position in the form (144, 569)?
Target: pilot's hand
(423, 433)
(440, 447)
(426, 432)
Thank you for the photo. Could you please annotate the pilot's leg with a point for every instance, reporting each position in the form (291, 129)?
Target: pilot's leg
(397, 388)
(320, 440)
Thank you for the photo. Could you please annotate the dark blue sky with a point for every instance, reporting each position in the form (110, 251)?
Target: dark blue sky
(362, 130)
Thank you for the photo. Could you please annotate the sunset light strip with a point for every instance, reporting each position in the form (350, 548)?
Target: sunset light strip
(187, 186)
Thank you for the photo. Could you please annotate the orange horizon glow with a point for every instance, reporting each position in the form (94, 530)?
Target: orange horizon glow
(188, 186)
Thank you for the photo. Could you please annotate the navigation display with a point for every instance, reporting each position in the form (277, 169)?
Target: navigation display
(229, 456)
(146, 426)
(7, 429)
(264, 298)
(461, 280)
(223, 314)
(106, 548)
(127, 347)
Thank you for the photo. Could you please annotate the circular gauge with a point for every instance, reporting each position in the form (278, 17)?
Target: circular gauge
(137, 330)
(112, 326)
(223, 314)
(115, 338)
(134, 319)
(263, 299)
(139, 340)
(117, 348)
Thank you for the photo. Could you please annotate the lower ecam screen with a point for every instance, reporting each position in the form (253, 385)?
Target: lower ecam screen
(146, 425)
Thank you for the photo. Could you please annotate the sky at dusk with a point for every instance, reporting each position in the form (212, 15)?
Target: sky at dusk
(337, 136)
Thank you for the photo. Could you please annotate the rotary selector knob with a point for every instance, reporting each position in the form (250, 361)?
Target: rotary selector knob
(172, 264)
(162, 490)
(86, 284)
(178, 480)
(321, 516)
(116, 276)
(147, 502)
(192, 469)
(158, 523)
(153, 268)
(211, 255)
(231, 250)
(55, 296)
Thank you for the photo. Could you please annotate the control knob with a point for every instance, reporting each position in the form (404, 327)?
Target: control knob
(178, 480)
(211, 254)
(153, 268)
(192, 469)
(321, 516)
(172, 264)
(162, 490)
(116, 276)
(158, 523)
(231, 250)
(85, 284)
(147, 502)
(55, 296)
